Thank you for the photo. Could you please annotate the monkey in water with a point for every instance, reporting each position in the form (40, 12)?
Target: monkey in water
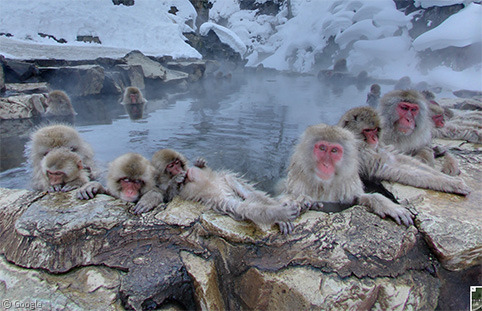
(379, 163)
(62, 171)
(48, 138)
(407, 126)
(129, 177)
(373, 97)
(324, 170)
(170, 172)
(59, 105)
(134, 102)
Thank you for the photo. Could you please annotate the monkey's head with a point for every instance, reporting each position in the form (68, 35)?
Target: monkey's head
(169, 162)
(58, 98)
(403, 110)
(437, 114)
(61, 166)
(332, 151)
(375, 89)
(55, 136)
(132, 95)
(130, 176)
(364, 123)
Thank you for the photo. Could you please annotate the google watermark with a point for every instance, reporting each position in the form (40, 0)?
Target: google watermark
(23, 305)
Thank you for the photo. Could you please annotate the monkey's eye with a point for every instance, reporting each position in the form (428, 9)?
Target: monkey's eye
(322, 147)
(404, 108)
(73, 149)
(334, 150)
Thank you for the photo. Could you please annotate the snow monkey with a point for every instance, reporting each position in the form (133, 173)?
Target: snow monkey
(59, 105)
(52, 137)
(379, 163)
(373, 97)
(227, 193)
(133, 102)
(452, 129)
(406, 125)
(130, 176)
(170, 172)
(324, 170)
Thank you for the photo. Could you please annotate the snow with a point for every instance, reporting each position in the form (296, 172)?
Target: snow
(461, 29)
(225, 35)
(372, 35)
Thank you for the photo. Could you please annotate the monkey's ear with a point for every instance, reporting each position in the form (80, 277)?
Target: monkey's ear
(79, 165)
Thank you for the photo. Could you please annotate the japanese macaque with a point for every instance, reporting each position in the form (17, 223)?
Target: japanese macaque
(62, 171)
(59, 105)
(373, 97)
(227, 193)
(380, 163)
(324, 170)
(405, 83)
(340, 65)
(406, 126)
(130, 176)
(133, 102)
(170, 172)
(453, 128)
(52, 137)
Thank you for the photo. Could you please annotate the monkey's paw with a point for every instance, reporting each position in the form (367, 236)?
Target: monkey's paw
(451, 170)
(55, 188)
(89, 190)
(69, 188)
(285, 227)
(148, 202)
(180, 177)
(200, 162)
(398, 213)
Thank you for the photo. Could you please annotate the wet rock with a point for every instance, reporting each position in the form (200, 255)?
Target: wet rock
(89, 288)
(22, 106)
(121, 77)
(2, 79)
(467, 93)
(451, 224)
(18, 71)
(153, 69)
(27, 88)
(79, 80)
(194, 67)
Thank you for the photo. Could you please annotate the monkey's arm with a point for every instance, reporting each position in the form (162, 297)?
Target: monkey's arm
(409, 171)
(90, 190)
(148, 201)
(74, 184)
(380, 205)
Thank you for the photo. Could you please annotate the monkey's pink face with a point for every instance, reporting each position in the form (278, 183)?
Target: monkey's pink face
(406, 117)
(327, 155)
(371, 136)
(55, 178)
(130, 189)
(174, 168)
(439, 121)
(133, 98)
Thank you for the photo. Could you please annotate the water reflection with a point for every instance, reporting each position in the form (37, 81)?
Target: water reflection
(248, 124)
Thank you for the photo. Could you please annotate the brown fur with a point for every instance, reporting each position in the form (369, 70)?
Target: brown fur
(417, 143)
(68, 162)
(381, 163)
(50, 137)
(59, 104)
(134, 109)
(303, 189)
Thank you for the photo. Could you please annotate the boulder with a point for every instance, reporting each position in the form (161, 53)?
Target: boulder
(2, 79)
(79, 80)
(18, 71)
(22, 106)
(27, 88)
(153, 69)
(120, 77)
(451, 224)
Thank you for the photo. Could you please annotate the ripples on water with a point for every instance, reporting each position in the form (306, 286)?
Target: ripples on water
(248, 125)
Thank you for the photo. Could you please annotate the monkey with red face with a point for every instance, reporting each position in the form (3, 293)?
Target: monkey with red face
(134, 102)
(324, 170)
(379, 163)
(130, 176)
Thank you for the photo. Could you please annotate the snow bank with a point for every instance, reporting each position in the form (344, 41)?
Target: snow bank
(146, 26)
(225, 35)
(461, 29)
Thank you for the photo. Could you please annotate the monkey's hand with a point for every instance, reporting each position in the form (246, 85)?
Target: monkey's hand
(55, 188)
(450, 165)
(180, 178)
(459, 187)
(285, 227)
(200, 162)
(148, 202)
(89, 190)
(383, 207)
